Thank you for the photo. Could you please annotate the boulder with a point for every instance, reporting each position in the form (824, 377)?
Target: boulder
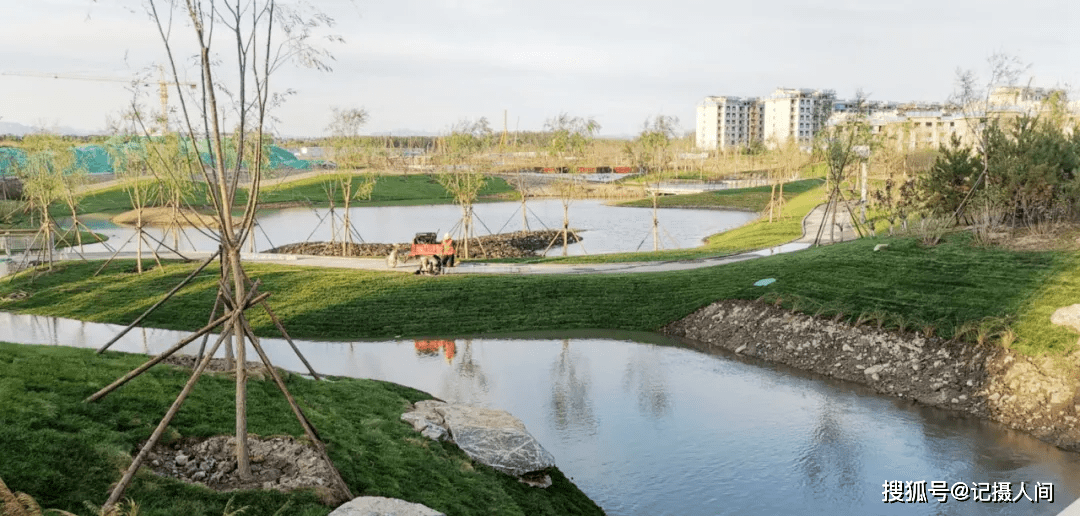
(1068, 316)
(379, 506)
(491, 437)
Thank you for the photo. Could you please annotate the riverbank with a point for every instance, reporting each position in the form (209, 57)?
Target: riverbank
(65, 452)
(1037, 395)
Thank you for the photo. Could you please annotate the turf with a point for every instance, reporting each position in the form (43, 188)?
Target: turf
(907, 286)
(751, 199)
(64, 452)
(389, 190)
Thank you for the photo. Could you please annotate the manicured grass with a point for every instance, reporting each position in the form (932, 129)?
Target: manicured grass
(907, 285)
(751, 199)
(64, 452)
(389, 190)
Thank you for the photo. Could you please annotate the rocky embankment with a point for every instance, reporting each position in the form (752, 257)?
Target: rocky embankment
(519, 244)
(1038, 396)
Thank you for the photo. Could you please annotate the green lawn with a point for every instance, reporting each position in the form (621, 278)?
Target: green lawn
(751, 199)
(389, 190)
(65, 452)
(909, 286)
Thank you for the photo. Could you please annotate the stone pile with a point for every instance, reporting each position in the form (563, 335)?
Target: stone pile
(519, 244)
(1037, 395)
(491, 437)
(281, 463)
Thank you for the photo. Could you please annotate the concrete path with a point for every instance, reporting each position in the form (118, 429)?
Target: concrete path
(379, 264)
(843, 232)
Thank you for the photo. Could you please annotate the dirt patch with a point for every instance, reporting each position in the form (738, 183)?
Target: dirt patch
(1038, 396)
(519, 244)
(1043, 237)
(164, 217)
(282, 463)
(255, 370)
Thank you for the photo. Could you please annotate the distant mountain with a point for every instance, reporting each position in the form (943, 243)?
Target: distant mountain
(17, 129)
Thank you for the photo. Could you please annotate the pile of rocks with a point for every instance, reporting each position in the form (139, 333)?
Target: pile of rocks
(519, 244)
(281, 463)
(1037, 395)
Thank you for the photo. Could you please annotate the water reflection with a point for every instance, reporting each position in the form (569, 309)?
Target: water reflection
(645, 377)
(571, 407)
(662, 429)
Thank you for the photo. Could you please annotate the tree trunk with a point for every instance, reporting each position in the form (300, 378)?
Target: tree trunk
(243, 464)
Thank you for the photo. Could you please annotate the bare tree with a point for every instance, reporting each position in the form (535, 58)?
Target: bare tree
(461, 149)
(842, 145)
(350, 154)
(260, 36)
(973, 98)
(651, 150)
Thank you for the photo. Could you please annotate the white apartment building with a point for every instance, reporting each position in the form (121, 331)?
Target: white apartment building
(724, 123)
(796, 114)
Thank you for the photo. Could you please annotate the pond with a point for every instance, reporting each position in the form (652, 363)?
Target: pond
(604, 228)
(647, 425)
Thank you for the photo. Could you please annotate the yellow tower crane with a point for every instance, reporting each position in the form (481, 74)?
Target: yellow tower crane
(162, 84)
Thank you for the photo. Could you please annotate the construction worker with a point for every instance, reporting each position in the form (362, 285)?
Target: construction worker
(447, 251)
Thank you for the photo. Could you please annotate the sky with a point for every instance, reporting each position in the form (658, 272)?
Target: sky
(420, 66)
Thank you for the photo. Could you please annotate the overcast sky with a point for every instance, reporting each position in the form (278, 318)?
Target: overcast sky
(422, 65)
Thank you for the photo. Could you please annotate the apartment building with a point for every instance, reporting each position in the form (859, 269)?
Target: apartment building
(724, 123)
(796, 114)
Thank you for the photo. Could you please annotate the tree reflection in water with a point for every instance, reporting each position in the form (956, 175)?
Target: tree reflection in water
(830, 462)
(645, 377)
(465, 382)
(571, 406)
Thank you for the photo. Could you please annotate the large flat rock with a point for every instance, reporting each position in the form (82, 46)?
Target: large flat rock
(491, 437)
(379, 506)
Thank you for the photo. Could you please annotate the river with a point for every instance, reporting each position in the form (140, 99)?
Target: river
(648, 425)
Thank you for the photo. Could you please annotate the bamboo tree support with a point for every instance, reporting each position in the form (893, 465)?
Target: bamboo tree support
(309, 430)
(129, 474)
(281, 328)
(162, 301)
(115, 253)
(155, 360)
(213, 314)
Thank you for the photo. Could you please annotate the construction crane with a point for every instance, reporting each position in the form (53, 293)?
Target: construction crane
(162, 84)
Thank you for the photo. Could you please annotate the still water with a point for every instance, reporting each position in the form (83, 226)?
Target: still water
(605, 229)
(650, 426)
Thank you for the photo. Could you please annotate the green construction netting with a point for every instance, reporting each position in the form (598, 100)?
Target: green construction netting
(10, 159)
(97, 160)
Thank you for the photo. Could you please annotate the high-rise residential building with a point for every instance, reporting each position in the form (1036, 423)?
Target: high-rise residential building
(796, 115)
(728, 122)
(724, 123)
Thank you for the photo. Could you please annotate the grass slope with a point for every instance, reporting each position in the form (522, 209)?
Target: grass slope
(389, 190)
(907, 286)
(64, 452)
(751, 199)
